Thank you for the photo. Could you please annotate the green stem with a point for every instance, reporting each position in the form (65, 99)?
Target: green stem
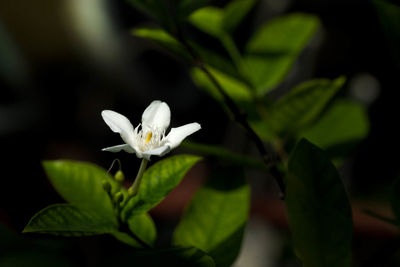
(216, 151)
(238, 116)
(132, 191)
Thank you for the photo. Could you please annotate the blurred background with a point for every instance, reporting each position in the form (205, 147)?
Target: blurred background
(63, 62)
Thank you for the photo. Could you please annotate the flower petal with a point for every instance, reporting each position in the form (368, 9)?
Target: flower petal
(125, 147)
(156, 115)
(176, 135)
(119, 124)
(160, 151)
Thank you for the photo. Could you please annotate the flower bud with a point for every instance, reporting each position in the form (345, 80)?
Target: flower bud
(119, 176)
(106, 186)
(118, 197)
(131, 192)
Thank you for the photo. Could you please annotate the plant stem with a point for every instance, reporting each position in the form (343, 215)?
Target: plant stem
(216, 151)
(132, 191)
(238, 115)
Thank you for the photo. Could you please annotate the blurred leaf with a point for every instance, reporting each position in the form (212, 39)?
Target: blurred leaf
(155, 9)
(80, 184)
(235, 89)
(67, 220)
(273, 49)
(217, 61)
(176, 256)
(221, 21)
(163, 39)
(171, 44)
(389, 15)
(209, 20)
(186, 7)
(318, 210)
(344, 123)
(215, 219)
(299, 108)
(234, 13)
(157, 182)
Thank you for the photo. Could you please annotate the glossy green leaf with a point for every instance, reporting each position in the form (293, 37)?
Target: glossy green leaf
(163, 39)
(344, 124)
(143, 227)
(215, 219)
(273, 49)
(68, 220)
(80, 184)
(318, 209)
(157, 182)
(234, 13)
(299, 108)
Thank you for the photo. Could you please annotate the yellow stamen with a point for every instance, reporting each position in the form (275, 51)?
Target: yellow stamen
(149, 135)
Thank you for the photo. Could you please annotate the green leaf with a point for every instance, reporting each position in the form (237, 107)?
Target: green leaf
(235, 89)
(172, 45)
(217, 21)
(273, 49)
(163, 39)
(157, 182)
(344, 124)
(299, 108)
(209, 20)
(234, 13)
(80, 184)
(187, 7)
(318, 210)
(68, 220)
(143, 227)
(215, 219)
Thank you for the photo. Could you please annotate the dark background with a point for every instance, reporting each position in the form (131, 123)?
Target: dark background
(59, 69)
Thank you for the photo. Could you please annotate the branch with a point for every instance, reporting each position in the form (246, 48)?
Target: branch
(239, 116)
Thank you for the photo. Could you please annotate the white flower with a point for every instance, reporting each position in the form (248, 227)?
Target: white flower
(149, 137)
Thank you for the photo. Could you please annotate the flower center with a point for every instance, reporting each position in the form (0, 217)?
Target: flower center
(148, 138)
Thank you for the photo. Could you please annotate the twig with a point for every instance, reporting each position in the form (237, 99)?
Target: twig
(239, 116)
